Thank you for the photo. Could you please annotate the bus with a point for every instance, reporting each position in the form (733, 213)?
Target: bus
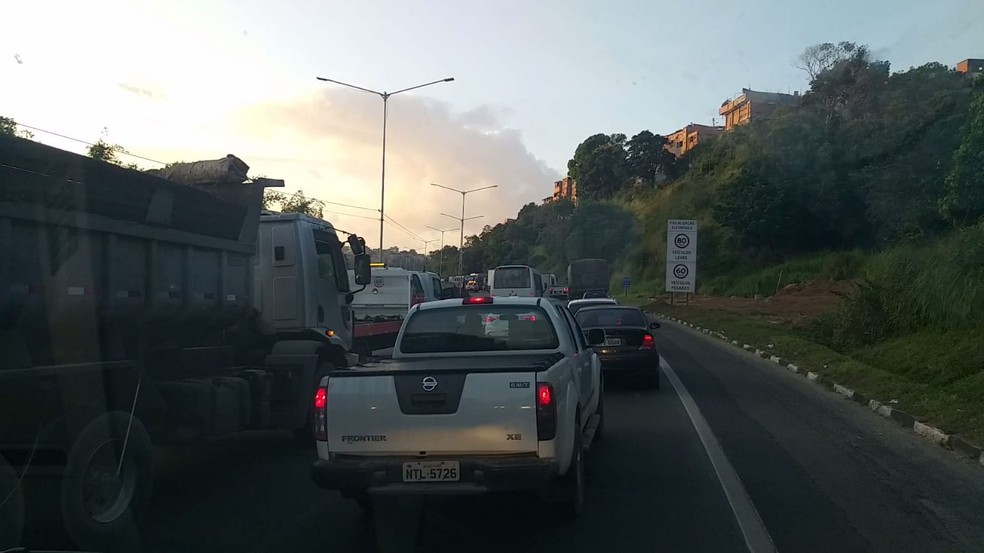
(516, 280)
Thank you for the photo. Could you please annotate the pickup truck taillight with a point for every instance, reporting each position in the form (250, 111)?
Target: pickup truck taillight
(648, 342)
(321, 414)
(546, 412)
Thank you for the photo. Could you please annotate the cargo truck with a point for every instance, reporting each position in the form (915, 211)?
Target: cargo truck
(136, 310)
(584, 275)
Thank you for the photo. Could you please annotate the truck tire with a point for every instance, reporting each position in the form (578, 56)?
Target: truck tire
(572, 483)
(11, 507)
(99, 507)
(365, 502)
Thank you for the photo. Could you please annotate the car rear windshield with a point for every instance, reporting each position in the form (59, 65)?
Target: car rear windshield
(575, 307)
(512, 277)
(478, 328)
(610, 317)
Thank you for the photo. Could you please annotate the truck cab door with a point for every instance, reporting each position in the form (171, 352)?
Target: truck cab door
(331, 284)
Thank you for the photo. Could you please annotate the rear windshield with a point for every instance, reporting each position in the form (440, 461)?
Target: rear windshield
(478, 328)
(610, 317)
(575, 307)
(513, 277)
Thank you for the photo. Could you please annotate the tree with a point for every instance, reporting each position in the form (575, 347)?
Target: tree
(648, 158)
(963, 197)
(823, 57)
(599, 166)
(293, 203)
(104, 151)
(9, 127)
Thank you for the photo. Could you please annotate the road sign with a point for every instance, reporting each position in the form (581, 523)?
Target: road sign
(681, 255)
(626, 282)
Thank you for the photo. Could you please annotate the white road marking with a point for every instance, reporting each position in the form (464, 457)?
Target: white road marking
(757, 537)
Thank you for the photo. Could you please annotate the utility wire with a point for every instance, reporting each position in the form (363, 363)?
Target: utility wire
(124, 152)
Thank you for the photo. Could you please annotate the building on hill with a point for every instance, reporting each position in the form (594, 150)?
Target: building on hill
(681, 141)
(971, 67)
(752, 103)
(565, 188)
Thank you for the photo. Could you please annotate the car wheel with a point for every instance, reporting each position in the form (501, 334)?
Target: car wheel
(100, 495)
(600, 411)
(573, 481)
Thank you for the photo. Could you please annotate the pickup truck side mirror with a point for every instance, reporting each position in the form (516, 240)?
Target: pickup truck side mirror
(654, 325)
(596, 337)
(363, 272)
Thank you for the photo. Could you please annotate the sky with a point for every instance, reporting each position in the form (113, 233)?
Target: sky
(180, 80)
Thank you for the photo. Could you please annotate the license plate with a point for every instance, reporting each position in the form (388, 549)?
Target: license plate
(431, 471)
(613, 341)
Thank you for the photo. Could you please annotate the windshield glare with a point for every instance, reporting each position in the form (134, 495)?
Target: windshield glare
(478, 328)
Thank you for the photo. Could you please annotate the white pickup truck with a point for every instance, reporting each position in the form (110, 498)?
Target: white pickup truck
(482, 394)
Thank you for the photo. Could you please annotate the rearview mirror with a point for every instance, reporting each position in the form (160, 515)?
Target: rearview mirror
(596, 337)
(363, 273)
(654, 325)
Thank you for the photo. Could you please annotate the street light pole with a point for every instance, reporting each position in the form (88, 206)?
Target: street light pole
(441, 264)
(462, 219)
(425, 250)
(385, 96)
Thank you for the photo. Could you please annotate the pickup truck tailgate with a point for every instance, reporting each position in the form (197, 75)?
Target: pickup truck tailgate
(435, 408)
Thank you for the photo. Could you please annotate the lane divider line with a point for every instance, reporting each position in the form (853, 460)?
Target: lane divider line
(757, 537)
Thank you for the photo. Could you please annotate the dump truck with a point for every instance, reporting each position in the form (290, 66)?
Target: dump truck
(137, 310)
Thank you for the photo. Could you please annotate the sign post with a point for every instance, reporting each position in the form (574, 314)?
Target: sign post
(681, 256)
(626, 282)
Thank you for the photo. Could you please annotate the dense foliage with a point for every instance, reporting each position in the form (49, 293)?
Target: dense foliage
(867, 160)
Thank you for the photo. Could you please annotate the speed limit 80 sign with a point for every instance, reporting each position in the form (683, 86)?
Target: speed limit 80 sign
(681, 255)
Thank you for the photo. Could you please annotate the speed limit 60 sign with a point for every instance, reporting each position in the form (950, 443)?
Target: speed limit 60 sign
(681, 255)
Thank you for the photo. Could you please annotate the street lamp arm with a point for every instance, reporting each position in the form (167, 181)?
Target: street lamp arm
(475, 217)
(482, 188)
(456, 218)
(448, 188)
(377, 93)
(447, 80)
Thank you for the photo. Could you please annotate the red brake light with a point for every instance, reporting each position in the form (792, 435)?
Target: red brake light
(648, 342)
(544, 395)
(320, 398)
(476, 300)
(320, 423)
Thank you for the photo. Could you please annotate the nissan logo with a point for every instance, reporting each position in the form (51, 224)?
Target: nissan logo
(429, 383)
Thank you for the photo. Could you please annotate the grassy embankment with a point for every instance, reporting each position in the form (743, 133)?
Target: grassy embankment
(911, 331)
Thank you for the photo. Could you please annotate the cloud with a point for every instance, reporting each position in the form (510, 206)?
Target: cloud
(329, 145)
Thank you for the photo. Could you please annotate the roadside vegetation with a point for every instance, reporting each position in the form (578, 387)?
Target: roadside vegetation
(844, 231)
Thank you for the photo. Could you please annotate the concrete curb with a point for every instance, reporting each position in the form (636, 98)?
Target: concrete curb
(903, 419)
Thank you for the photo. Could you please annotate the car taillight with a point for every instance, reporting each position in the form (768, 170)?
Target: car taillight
(648, 342)
(321, 414)
(546, 412)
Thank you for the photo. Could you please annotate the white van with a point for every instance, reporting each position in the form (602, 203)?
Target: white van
(431, 284)
(390, 293)
(516, 280)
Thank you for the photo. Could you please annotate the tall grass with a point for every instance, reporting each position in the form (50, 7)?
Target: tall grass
(765, 282)
(909, 288)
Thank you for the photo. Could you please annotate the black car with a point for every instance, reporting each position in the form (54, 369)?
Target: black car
(629, 345)
(590, 294)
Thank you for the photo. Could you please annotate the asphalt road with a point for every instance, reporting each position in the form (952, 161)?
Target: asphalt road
(822, 473)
